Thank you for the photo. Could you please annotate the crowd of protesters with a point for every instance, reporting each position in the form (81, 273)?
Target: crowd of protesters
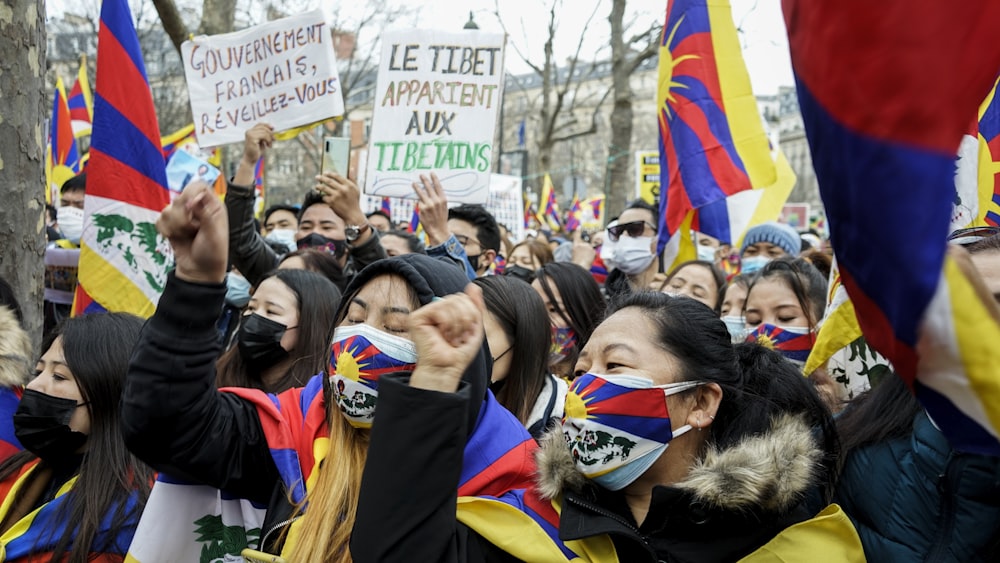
(526, 393)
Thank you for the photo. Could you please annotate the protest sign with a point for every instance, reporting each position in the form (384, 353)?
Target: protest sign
(184, 168)
(437, 100)
(282, 72)
(647, 176)
(506, 203)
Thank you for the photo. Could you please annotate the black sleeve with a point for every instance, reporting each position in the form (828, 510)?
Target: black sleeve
(367, 252)
(173, 418)
(247, 249)
(409, 488)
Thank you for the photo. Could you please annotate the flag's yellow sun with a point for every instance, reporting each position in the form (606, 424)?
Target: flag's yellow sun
(666, 83)
(347, 366)
(765, 341)
(575, 407)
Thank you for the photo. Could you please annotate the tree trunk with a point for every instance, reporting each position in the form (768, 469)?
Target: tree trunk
(172, 22)
(619, 183)
(22, 156)
(217, 16)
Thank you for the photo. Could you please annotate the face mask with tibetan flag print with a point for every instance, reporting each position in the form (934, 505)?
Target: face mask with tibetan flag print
(794, 343)
(616, 426)
(359, 355)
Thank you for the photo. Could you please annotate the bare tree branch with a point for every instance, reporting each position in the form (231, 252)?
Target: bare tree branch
(172, 22)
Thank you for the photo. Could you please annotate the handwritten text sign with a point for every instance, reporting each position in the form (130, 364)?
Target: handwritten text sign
(282, 72)
(436, 107)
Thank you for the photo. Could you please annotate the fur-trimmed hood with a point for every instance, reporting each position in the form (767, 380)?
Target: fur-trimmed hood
(15, 350)
(769, 472)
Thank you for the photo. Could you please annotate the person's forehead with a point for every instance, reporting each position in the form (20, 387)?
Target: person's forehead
(280, 215)
(630, 215)
(462, 227)
(320, 212)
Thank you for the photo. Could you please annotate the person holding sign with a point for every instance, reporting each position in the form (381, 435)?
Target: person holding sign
(331, 217)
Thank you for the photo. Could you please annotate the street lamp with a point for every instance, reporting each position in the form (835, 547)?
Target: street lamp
(471, 24)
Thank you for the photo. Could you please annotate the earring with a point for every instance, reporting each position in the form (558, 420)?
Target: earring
(699, 423)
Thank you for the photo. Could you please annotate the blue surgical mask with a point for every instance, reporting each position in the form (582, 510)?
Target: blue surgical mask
(237, 290)
(737, 327)
(753, 264)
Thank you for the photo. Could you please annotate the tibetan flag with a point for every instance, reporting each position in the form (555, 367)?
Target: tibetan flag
(550, 208)
(386, 207)
(887, 90)
(529, 215)
(63, 160)
(988, 177)
(123, 261)
(795, 346)
(729, 219)
(573, 216)
(712, 141)
(415, 219)
(258, 176)
(176, 140)
(81, 104)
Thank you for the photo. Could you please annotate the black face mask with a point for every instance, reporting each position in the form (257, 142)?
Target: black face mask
(259, 342)
(41, 424)
(520, 272)
(474, 261)
(338, 248)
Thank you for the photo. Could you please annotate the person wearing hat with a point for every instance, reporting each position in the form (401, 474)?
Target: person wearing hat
(766, 242)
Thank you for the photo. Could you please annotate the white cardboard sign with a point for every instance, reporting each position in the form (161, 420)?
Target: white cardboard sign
(437, 101)
(282, 72)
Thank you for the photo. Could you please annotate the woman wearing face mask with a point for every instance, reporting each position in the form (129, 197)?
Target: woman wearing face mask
(629, 249)
(526, 257)
(284, 334)
(75, 494)
(301, 453)
(575, 306)
(517, 332)
(681, 447)
(784, 305)
(698, 279)
(732, 297)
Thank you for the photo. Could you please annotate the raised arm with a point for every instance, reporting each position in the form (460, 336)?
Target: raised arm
(247, 249)
(172, 416)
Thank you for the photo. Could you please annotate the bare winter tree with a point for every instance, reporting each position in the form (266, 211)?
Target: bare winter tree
(626, 56)
(22, 156)
(559, 108)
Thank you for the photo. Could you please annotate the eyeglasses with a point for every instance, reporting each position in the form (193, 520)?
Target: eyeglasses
(633, 229)
(464, 240)
(972, 235)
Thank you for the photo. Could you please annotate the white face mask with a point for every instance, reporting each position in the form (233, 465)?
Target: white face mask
(706, 253)
(737, 327)
(632, 254)
(608, 249)
(283, 236)
(70, 221)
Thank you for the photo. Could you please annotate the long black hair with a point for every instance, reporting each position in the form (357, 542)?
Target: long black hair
(521, 313)
(97, 348)
(317, 301)
(758, 384)
(583, 305)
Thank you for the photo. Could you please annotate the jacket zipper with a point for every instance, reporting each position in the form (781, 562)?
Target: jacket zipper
(279, 525)
(947, 509)
(616, 518)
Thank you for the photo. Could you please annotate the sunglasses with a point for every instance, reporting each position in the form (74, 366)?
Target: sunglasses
(972, 235)
(633, 229)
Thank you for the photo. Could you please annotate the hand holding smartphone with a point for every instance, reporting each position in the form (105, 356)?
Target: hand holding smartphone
(336, 155)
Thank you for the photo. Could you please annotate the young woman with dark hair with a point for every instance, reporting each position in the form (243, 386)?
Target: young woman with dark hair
(284, 334)
(748, 438)
(784, 305)
(75, 493)
(575, 305)
(700, 280)
(517, 331)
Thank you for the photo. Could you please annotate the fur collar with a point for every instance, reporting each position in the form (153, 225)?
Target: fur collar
(15, 350)
(769, 471)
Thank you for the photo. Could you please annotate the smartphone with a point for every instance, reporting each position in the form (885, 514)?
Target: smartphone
(336, 155)
(254, 556)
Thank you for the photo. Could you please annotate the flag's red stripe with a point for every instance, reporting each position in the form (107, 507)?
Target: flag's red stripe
(118, 88)
(128, 184)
